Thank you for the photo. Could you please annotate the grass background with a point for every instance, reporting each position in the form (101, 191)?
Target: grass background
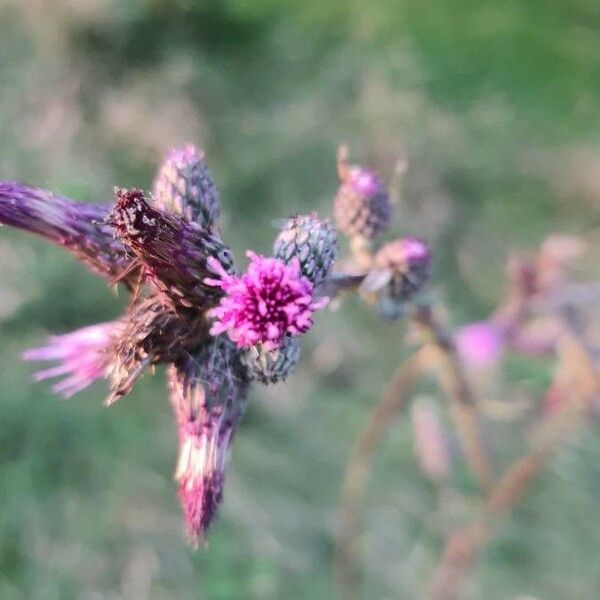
(495, 103)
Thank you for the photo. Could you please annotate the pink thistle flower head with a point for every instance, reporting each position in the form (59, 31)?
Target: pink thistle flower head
(208, 391)
(403, 254)
(480, 345)
(365, 181)
(81, 357)
(271, 299)
(200, 472)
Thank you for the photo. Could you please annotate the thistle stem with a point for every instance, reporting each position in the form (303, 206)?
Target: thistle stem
(463, 407)
(351, 502)
(438, 354)
(464, 546)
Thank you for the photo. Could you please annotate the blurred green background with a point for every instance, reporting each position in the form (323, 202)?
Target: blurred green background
(496, 105)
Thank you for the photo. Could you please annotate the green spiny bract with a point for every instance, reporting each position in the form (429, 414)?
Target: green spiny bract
(312, 241)
(184, 186)
(272, 366)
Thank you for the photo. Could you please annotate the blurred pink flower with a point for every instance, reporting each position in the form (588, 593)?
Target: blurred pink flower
(362, 204)
(480, 344)
(267, 302)
(81, 356)
(364, 181)
(430, 441)
(553, 399)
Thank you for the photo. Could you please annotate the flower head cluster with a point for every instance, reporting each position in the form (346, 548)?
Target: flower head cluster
(270, 300)
(167, 249)
(217, 330)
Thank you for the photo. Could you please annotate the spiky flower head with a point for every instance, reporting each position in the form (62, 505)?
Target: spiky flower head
(407, 261)
(184, 186)
(149, 333)
(269, 301)
(208, 389)
(481, 344)
(362, 206)
(312, 241)
(173, 251)
(272, 366)
(81, 355)
(76, 226)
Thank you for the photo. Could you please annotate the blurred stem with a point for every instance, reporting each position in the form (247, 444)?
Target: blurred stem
(362, 252)
(397, 179)
(351, 502)
(337, 283)
(438, 354)
(463, 408)
(463, 547)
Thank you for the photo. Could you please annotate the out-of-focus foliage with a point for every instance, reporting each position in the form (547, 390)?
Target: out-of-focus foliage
(495, 104)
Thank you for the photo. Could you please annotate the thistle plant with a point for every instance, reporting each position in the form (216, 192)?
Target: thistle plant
(221, 328)
(390, 277)
(216, 328)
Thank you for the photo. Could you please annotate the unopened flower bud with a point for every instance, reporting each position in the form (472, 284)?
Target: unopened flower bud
(184, 186)
(312, 241)
(362, 206)
(175, 252)
(402, 268)
(272, 366)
